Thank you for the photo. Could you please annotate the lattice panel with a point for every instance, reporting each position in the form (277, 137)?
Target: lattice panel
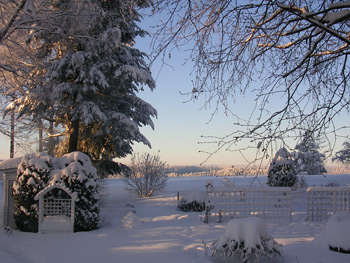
(223, 205)
(325, 201)
(56, 206)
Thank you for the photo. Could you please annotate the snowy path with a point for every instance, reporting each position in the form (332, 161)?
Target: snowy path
(8, 258)
(9, 253)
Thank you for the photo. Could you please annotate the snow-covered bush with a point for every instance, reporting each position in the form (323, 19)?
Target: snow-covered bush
(281, 172)
(192, 201)
(33, 174)
(336, 235)
(73, 171)
(246, 240)
(147, 175)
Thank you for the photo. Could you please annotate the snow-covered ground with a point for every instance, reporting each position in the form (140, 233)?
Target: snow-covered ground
(159, 232)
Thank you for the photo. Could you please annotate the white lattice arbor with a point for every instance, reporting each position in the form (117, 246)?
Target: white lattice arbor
(325, 201)
(56, 214)
(272, 203)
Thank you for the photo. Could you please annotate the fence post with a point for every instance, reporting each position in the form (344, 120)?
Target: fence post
(206, 217)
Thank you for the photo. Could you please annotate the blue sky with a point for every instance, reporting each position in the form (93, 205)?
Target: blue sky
(181, 121)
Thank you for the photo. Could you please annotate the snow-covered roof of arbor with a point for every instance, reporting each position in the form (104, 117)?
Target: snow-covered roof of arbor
(48, 188)
(10, 163)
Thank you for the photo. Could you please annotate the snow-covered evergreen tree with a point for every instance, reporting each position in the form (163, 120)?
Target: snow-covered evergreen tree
(33, 174)
(281, 171)
(343, 155)
(308, 160)
(94, 74)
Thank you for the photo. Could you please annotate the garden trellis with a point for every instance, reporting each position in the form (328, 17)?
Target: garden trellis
(56, 214)
(325, 201)
(222, 204)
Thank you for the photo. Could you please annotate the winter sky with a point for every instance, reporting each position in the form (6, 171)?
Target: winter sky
(182, 121)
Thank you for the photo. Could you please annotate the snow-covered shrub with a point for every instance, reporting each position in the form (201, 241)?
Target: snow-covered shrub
(33, 174)
(147, 175)
(192, 201)
(281, 172)
(336, 235)
(246, 240)
(73, 171)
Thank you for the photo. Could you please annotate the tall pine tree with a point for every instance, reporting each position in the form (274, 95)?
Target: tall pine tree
(308, 160)
(93, 75)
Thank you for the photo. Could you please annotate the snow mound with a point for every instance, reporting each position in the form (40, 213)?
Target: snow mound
(336, 234)
(60, 223)
(131, 221)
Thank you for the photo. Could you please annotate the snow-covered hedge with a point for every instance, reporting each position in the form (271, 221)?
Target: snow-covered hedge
(74, 171)
(246, 240)
(192, 201)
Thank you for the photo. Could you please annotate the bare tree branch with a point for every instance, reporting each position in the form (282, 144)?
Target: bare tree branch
(6, 29)
(298, 53)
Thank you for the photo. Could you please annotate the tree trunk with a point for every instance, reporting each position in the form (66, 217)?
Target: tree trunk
(40, 135)
(12, 136)
(73, 135)
(51, 142)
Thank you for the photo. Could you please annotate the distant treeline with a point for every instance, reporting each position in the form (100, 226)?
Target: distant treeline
(188, 171)
(175, 171)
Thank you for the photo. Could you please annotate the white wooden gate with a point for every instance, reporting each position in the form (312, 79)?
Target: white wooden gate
(269, 203)
(325, 201)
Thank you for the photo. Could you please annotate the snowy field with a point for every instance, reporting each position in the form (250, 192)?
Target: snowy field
(159, 232)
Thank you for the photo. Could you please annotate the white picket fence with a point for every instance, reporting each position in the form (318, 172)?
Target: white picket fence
(222, 204)
(325, 201)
